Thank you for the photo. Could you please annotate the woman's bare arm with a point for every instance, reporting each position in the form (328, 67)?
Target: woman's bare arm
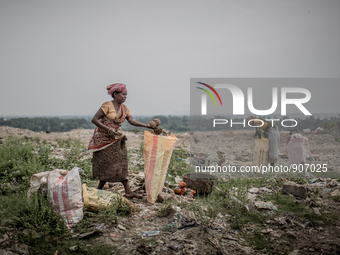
(136, 123)
(95, 120)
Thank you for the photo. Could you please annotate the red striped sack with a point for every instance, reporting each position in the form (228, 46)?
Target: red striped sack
(65, 192)
(157, 152)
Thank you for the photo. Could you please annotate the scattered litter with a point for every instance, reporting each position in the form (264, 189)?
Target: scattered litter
(112, 235)
(100, 226)
(265, 205)
(174, 247)
(150, 233)
(313, 180)
(95, 199)
(178, 179)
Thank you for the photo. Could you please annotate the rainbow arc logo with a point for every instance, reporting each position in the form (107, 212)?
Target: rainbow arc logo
(209, 93)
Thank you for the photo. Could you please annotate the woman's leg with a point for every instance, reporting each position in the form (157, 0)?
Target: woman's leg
(101, 184)
(127, 187)
(128, 192)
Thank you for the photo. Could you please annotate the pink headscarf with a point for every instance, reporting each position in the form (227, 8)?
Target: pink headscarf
(116, 87)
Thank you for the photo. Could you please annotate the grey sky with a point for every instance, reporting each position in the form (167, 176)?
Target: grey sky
(57, 57)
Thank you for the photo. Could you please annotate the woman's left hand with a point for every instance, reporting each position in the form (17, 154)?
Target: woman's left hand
(148, 126)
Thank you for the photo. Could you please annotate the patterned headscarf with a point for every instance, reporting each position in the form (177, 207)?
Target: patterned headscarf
(120, 87)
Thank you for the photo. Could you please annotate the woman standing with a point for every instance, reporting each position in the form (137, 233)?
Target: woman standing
(267, 130)
(110, 162)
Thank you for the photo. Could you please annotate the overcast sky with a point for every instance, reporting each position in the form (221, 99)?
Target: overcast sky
(57, 57)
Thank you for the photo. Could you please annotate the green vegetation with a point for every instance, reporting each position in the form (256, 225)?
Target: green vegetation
(32, 221)
(165, 210)
(51, 124)
(178, 164)
(20, 158)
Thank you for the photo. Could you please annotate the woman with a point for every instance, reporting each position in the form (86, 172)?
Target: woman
(110, 162)
(268, 130)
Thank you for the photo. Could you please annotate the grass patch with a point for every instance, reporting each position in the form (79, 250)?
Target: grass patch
(165, 210)
(151, 242)
(336, 198)
(178, 165)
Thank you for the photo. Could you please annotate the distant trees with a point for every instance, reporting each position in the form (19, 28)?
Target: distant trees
(43, 124)
(172, 123)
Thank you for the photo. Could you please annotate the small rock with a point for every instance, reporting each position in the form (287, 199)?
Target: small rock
(121, 227)
(128, 240)
(264, 189)
(74, 248)
(176, 208)
(5, 238)
(251, 197)
(335, 193)
(316, 211)
(275, 234)
(159, 242)
(163, 197)
(295, 189)
(266, 231)
(291, 234)
(254, 190)
(295, 252)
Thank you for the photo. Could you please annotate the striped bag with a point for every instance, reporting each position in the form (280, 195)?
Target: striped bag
(157, 152)
(65, 194)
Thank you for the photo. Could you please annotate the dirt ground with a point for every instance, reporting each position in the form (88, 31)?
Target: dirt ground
(305, 236)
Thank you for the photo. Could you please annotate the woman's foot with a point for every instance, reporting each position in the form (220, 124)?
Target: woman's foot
(131, 195)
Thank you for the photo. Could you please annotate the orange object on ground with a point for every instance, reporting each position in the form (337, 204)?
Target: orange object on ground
(182, 185)
(179, 191)
(193, 192)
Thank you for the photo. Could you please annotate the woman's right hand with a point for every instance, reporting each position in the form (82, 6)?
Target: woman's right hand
(112, 132)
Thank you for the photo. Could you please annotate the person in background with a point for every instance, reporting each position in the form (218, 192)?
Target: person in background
(289, 137)
(268, 130)
(110, 161)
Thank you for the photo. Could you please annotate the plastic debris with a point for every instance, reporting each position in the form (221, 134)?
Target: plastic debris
(265, 205)
(150, 233)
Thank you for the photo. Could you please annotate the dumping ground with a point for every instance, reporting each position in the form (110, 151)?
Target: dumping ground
(261, 220)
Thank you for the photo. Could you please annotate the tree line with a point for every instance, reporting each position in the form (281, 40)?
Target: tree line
(173, 123)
